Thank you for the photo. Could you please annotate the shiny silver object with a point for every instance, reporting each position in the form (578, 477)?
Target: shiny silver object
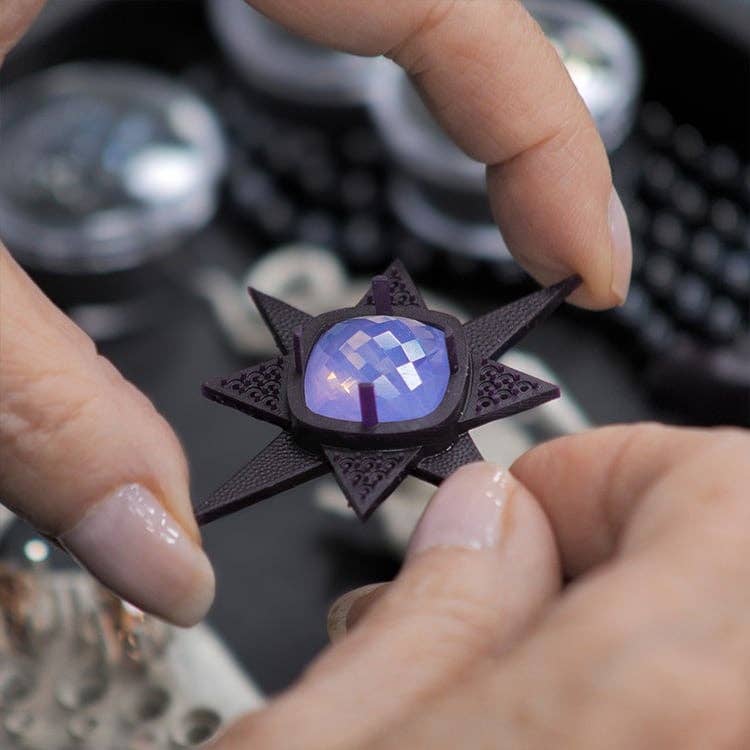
(281, 64)
(80, 670)
(602, 59)
(440, 193)
(105, 166)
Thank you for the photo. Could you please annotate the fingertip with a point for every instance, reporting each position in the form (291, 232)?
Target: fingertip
(135, 547)
(622, 248)
(193, 606)
(468, 510)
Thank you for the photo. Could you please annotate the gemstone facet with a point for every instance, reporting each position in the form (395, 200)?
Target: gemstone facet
(406, 361)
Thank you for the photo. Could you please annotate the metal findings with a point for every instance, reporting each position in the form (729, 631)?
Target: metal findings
(381, 295)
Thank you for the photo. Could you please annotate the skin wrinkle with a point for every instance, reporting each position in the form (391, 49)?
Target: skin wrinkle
(710, 497)
(433, 19)
(615, 483)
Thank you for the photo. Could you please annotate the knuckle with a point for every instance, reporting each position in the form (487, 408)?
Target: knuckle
(39, 407)
(410, 51)
(455, 611)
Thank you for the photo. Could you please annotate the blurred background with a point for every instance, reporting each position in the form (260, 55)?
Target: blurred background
(158, 156)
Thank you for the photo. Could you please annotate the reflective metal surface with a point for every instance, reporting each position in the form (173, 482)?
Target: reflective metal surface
(80, 669)
(286, 66)
(104, 166)
(440, 195)
(600, 56)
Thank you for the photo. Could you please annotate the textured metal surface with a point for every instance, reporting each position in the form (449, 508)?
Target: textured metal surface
(80, 670)
(498, 391)
(368, 478)
(256, 391)
(494, 333)
(440, 466)
(280, 465)
(281, 318)
(403, 291)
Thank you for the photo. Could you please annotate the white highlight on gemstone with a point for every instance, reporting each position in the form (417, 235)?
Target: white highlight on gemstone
(356, 359)
(413, 350)
(384, 387)
(360, 338)
(409, 375)
(386, 340)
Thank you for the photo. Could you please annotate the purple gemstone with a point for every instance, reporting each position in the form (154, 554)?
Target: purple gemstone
(404, 359)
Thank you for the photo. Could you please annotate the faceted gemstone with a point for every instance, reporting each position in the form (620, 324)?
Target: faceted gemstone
(404, 359)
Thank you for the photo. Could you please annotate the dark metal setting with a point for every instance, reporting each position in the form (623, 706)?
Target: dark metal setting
(313, 429)
(370, 458)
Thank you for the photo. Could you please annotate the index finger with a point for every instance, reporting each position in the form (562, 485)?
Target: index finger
(15, 17)
(609, 490)
(499, 88)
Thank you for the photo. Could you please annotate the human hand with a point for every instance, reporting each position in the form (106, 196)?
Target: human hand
(85, 456)
(476, 645)
(499, 88)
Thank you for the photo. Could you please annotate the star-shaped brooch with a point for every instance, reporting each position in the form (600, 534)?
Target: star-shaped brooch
(377, 391)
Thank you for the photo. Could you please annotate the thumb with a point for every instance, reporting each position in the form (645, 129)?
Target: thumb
(481, 566)
(86, 459)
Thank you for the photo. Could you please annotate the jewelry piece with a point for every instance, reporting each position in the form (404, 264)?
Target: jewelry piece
(377, 391)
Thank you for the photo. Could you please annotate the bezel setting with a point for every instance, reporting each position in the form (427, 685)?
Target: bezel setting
(315, 429)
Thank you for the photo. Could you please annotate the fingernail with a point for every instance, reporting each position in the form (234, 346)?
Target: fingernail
(136, 548)
(348, 609)
(622, 247)
(469, 510)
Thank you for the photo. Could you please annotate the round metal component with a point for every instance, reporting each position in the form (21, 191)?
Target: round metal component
(152, 703)
(305, 275)
(197, 727)
(478, 239)
(18, 723)
(602, 59)
(81, 690)
(36, 551)
(15, 686)
(286, 66)
(82, 726)
(105, 166)
(600, 56)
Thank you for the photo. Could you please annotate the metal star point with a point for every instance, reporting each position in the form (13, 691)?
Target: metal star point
(369, 458)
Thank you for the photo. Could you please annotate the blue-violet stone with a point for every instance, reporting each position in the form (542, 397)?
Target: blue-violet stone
(405, 359)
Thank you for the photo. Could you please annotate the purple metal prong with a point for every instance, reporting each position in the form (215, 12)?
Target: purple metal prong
(367, 406)
(381, 295)
(297, 343)
(450, 348)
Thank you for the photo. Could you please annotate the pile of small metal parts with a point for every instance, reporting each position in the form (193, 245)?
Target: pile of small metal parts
(80, 670)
